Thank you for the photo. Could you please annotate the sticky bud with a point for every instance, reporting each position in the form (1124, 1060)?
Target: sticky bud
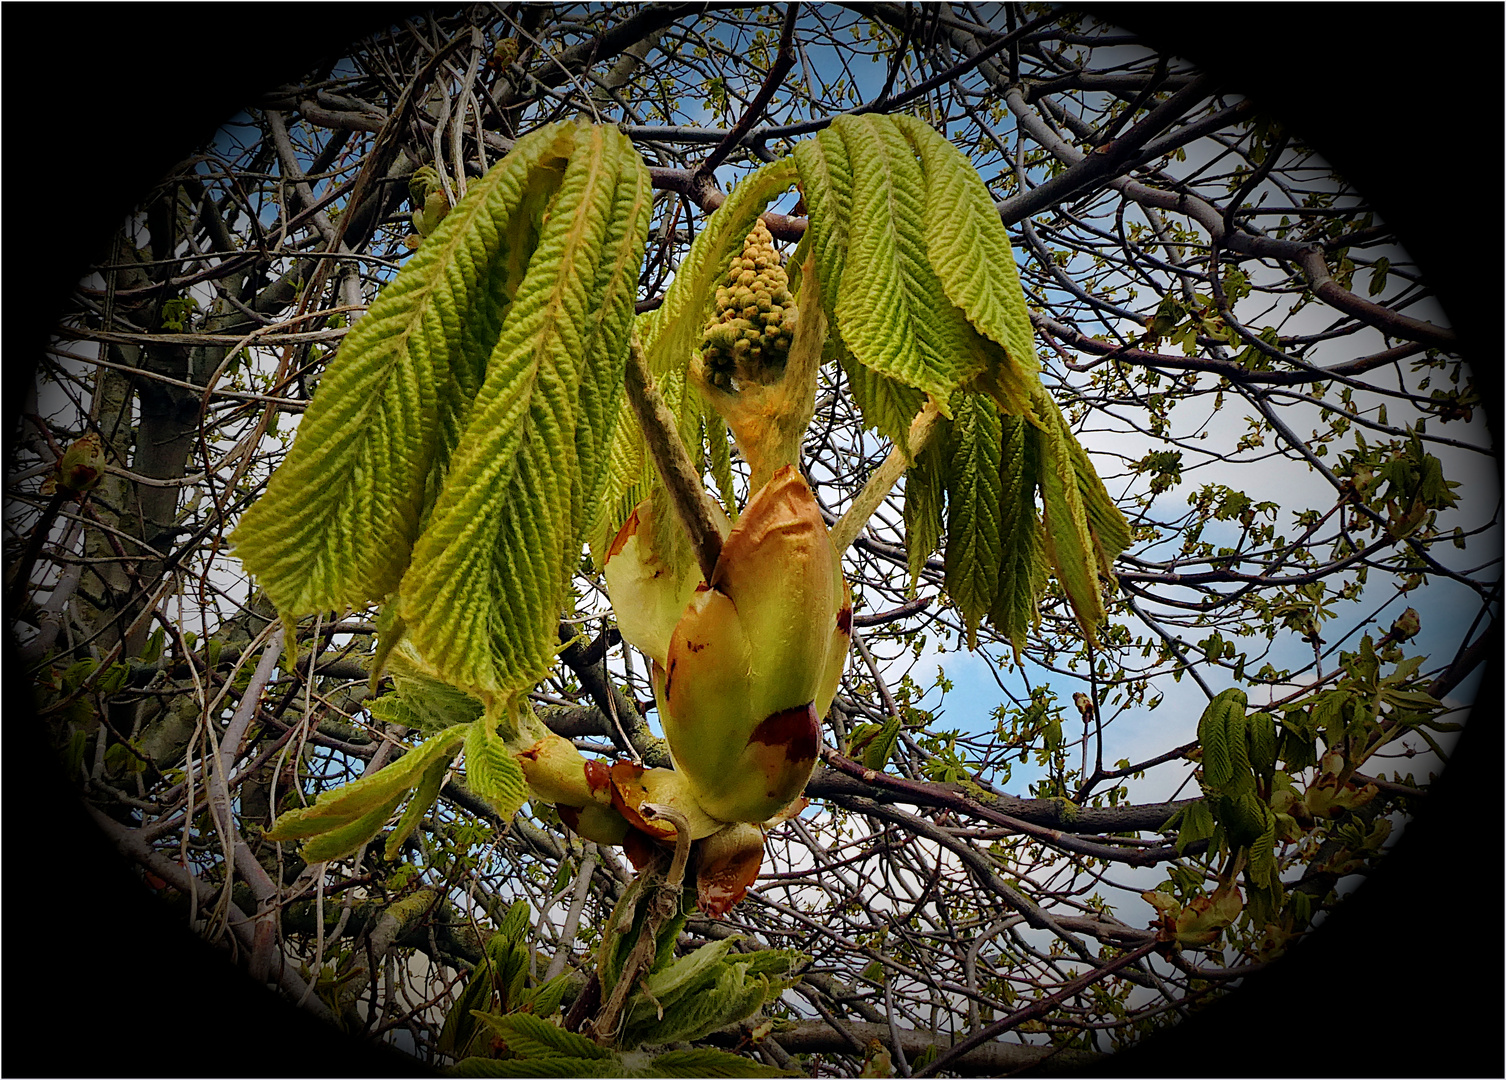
(82, 466)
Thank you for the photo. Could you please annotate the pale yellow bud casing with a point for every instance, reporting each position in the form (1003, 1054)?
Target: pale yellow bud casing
(755, 659)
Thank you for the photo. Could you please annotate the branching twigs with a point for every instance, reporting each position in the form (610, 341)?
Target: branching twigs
(1256, 309)
(932, 795)
(700, 182)
(1035, 1008)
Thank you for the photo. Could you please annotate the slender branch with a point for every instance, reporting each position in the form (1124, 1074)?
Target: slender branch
(832, 783)
(904, 611)
(572, 918)
(702, 176)
(915, 791)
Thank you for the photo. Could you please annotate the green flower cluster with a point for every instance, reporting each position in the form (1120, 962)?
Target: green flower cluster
(748, 339)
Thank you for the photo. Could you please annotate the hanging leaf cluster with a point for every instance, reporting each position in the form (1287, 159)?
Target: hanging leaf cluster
(1239, 778)
(499, 985)
(925, 302)
(456, 449)
(340, 821)
(919, 299)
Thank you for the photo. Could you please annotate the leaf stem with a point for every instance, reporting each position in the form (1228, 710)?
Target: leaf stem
(846, 530)
(680, 476)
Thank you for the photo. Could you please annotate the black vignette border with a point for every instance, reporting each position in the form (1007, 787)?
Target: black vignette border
(1404, 99)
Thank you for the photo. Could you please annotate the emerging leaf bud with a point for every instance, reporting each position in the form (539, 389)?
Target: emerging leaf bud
(82, 466)
(754, 661)
(580, 789)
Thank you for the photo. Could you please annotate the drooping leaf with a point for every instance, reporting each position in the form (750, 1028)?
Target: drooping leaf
(1068, 542)
(458, 1033)
(924, 496)
(489, 575)
(971, 254)
(514, 924)
(974, 552)
(887, 405)
(1197, 824)
(669, 539)
(338, 842)
(491, 771)
(433, 703)
(618, 934)
(533, 1037)
(1263, 743)
(1022, 568)
(926, 298)
(873, 744)
(626, 485)
(544, 1001)
(773, 961)
(826, 185)
(392, 709)
(361, 799)
(1111, 532)
(719, 458)
(509, 952)
(890, 308)
(605, 333)
(424, 797)
(1236, 733)
(1213, 740)
(1263, 869)
(338, 521)
(418, 700)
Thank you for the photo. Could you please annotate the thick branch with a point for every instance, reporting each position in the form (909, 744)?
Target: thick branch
(912, 791)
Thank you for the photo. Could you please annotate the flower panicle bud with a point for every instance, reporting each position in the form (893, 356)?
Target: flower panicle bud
(748, 338)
